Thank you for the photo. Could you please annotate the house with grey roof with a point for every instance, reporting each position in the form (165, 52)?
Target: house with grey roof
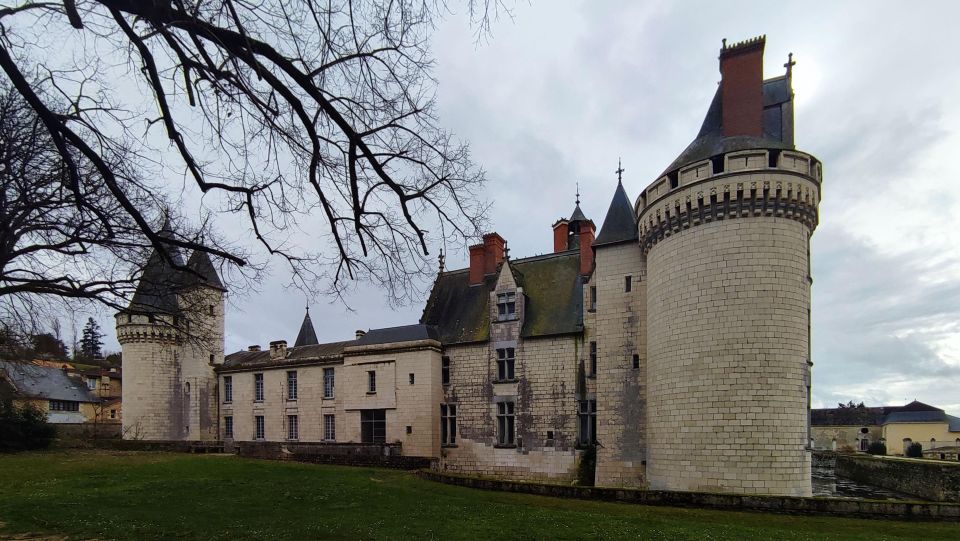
(64, 398)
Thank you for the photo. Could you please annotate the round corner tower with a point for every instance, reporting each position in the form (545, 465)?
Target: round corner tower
(726, 233)
(172, 338)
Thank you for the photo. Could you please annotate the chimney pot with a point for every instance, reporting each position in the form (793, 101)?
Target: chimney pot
(560, 232)
(278, 349)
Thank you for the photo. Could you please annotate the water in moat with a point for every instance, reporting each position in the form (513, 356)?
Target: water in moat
(826, 483)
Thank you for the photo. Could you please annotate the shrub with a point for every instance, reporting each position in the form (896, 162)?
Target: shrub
(915, 450)
(586, 468)
(877, 448)
(23, 428)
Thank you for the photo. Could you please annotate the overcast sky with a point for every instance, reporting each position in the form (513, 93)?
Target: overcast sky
(563, 89)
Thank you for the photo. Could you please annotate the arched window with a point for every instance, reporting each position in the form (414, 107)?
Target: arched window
(933, 443)
(186, 387)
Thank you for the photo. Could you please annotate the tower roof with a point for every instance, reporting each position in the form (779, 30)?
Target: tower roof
(619, 225)
(307, 335)
(206, 274)
(156, 292)
(577, 215)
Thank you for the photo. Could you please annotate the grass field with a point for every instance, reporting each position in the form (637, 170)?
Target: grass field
(99, 495)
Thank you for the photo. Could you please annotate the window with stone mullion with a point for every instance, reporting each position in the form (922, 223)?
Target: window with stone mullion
(505, 364)
(505, 423)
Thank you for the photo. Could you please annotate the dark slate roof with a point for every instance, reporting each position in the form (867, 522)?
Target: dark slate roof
(405, 333)
(307, 335)
(914, 412)
(777, 99)
(937, 416)
(200, 263)
(241, 360)
(45, 382)
(553, 300)
(619, 225)
(156, 291)
(577, 215)
(953, 423)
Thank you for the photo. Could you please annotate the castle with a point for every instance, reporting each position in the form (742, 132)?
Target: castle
(675, 342)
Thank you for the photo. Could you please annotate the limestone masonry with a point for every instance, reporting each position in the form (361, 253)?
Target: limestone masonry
(674, 342)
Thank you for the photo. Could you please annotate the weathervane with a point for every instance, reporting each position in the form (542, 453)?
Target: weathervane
(790, 64)
(619, 171)
(578, 193)
(441, 259)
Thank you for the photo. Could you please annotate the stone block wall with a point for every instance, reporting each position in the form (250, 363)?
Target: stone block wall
(619, 327)
(727, 373)
(931, 480)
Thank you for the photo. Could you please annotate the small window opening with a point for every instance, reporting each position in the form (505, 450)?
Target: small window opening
(445, 370)
(773, 156)
(628, 283)
(593, 298)
(636, 361)
(549, 434)
(717, 163)
(411, 379)
(409, 429)
(674, 180)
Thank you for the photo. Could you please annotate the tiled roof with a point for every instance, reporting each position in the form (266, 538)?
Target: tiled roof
(242, 360)
(405, 333)
(619, 225)
(914, 412)
(45, 382)
(307, 335)
(554, 300)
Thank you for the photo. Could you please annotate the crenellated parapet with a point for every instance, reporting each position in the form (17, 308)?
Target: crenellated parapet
(748, 183)
(147, 333)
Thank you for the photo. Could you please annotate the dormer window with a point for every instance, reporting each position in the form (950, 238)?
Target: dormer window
(506, 306)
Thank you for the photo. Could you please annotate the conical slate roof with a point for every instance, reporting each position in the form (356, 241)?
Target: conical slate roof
(619, 225)
(307, 336)
(156, 292)
(578, 215)
(206, 275)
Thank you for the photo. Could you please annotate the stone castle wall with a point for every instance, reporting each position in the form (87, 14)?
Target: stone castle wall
(618, 325)
(727, 372)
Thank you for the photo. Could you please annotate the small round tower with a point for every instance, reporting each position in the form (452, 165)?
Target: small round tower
(726, 234)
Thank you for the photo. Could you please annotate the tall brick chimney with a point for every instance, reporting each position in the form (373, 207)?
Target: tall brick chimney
(560, 231)
(485, 257)
(587, 230)
(741, 87)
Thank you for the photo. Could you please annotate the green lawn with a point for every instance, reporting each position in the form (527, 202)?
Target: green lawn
(169, 496)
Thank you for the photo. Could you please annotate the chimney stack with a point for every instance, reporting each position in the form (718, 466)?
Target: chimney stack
(586, 247)
(253, 348)
(278, 349)
(741, 87)
(560, 231)
(485, 257)
(360, 333)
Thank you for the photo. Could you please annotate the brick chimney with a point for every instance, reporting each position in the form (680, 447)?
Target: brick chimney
(253, 348)
(741, 87)
(278, 349)
(485, 257)
(560, 231)
(587, 230)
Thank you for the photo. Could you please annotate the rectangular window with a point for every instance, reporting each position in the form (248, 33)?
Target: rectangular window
(260, 430)
(371, 381)
(293, 427)
(445, 370)
(636, 361)
(329, 428)
(228, 426)
(328, 382)
(412, 379)
(373, 426)
(505, 423)
(113, 414)
(505, 364)
(64, 405)
(627, 284)
(587, 420)
(593, 298)
(292, 385)
(592, 370)
(92, 383)
(506, 306)
(258, 387)
(228, 389)
(448, 424)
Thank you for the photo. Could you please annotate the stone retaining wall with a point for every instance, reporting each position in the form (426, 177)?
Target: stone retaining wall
(932, 480)
(823, 459)
(874, 509)
(346, 454)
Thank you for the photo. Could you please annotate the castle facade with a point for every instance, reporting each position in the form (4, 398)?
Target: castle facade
(674, 342)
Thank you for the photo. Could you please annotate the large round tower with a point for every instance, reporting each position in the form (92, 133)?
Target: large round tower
(726, 234)
(172, 337)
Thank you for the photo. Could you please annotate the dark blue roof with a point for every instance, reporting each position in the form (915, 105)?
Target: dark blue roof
(620, 224)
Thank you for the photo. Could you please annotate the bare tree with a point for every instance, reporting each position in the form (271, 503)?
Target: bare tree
(313, 120)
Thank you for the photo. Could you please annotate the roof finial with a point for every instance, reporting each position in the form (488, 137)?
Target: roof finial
(578, 193)
(308, 309)
(506, 250)
(619, 171)
(724, 43)
(441, 259)
(790, 64)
